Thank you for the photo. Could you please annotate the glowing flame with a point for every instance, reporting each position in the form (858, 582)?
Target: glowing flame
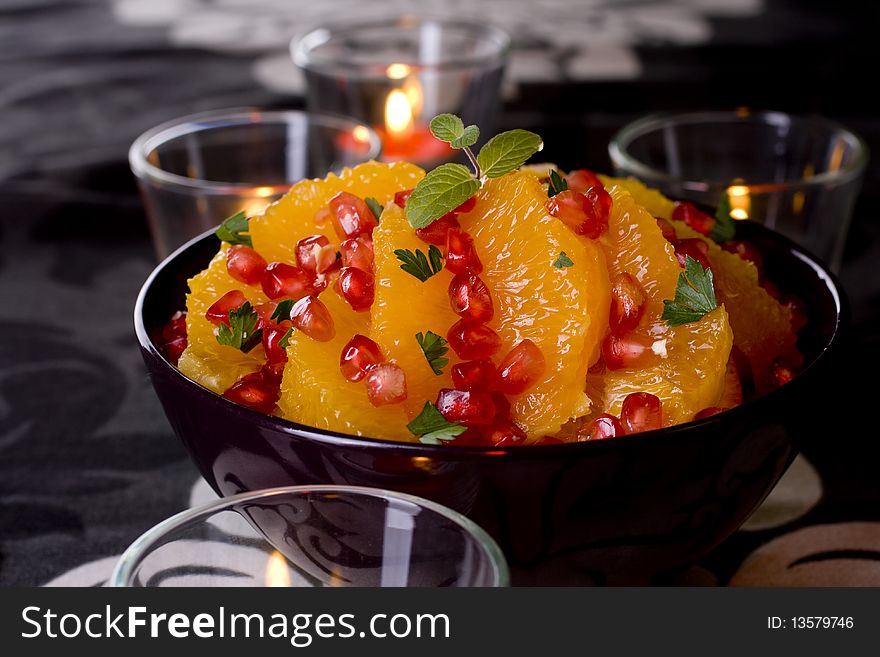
(398, 113)
(740, 203)
(361, 134)
(276, 571)
(397, 71)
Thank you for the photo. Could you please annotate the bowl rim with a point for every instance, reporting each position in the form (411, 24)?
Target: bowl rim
(275, 424)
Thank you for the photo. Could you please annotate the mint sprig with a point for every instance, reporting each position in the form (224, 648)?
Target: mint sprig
(234, 230)
(449, 185)
(241, 332)
(434, 347)
(416, 264)
(431, 427)
(724, 228)
(694, 295)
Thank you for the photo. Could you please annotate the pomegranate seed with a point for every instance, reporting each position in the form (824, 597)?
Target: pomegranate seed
(746, 251)
(282, 280)
(327, 260)
(400, 198)
(358, 355)
(435, 233)
(467, 206)
(461, 255)
(506, 433)
(667, 229)
(307, 250)
(218, 313)
(173, 349)
(470, 298)
(474, 436)
(254, 392)
(549, 440)
(794, 304)
(627, 303)
(358, 252)
(693, 247)
(708, 412)
(502, 405)
(584, 214)
(244, 264)
(275, 353)
(470, 340)
(781, 372)
(521, 368)
(693, 217)
(175, 328)
(604, 426)
(272, 373)
(632, 350)
(473, 374)
(311, 316)
(357, 287)
(466, 406)
(351, 216)
(641, 411)
(770, 288)
(580, 180)
(265, 312)
(386, 384)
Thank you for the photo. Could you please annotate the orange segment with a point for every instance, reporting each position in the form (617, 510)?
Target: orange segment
(650, 199)
(314, 393)
(563, 311)
(404, 306)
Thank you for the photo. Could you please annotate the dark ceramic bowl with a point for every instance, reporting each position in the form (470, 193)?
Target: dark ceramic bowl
(611, 511)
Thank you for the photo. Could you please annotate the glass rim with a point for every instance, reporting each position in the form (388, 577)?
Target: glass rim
(148, 141)
(150, 539)
(620, 141)
(303, 45)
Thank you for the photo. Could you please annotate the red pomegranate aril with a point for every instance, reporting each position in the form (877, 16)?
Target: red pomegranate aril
(311, 316)
(602, 427)
(667, 229)
(218, 313)
(283, 280)
(549, 440)
(693, 217)
(272, 373)
(254, 392)
(521, 368)
(307, 250)
(357, 287)
(327, 260)
(275, 353)
(358, 355)
(467, 206)
(770, 288)
(401, 197)
(461, 254)
(466, 407)
(641, 411)
(244, 264)
(175, 328)
(708, 412)
(173, 349)
(436, 232)
(265, 312)
(386, 384)
(693, 247)
(358, 252)
(580, 180)
(627, 303)
(746, 251)
(470, 298)
(795, 306)
(472, 340)
(502, 405)
(781, 372)
(600, 201)
(583, 215)
(473, 374)
(506, 433)
(631, 350)
(351, 216)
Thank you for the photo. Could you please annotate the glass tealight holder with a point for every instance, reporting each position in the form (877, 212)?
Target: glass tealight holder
(397, 74)
(195, 171)
(314, 536)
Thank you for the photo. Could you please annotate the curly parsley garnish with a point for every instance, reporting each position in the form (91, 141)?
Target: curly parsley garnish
(434, 347)
(563, 261)
(241, 332)
(418, 265)
(556, 184)
(234, 230)
(694, 295)
(432, 428)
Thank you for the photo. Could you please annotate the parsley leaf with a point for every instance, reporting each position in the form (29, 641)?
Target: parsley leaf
(434, 347)
(282, 310)
(440, 191)
(285, 339)
(563, 261)
(234, 230)
(375, 207)
(694, 295)
(431, 427)
(241, 332)
(724, 228)
(507, 151)
(556, 184)
(418, 265)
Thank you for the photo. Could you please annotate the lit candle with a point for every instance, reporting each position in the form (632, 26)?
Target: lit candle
(740, 203)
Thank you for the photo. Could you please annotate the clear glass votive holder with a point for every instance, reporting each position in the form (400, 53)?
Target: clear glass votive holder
(800, 176)
(396, 74)
(314, 536)
(195, 171)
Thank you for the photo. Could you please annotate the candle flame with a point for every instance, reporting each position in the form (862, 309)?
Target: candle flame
(398, 113)
(740, 203)
(276, 571)
(397, 71)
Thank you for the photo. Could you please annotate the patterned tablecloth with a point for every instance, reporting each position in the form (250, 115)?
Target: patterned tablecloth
(87, 460)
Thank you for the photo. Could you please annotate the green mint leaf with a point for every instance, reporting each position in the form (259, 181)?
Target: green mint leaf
(468, 137)
(563, 261)
(508, 151)
(446, 127)
(282, 310)
(241, 332)
(432, 427)
(416, 264)
(556, 184)
(285, 339)
(375, 207)
(439, 192)
(725, 225)
(434, 347)
(694, 296)
(233, 230)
